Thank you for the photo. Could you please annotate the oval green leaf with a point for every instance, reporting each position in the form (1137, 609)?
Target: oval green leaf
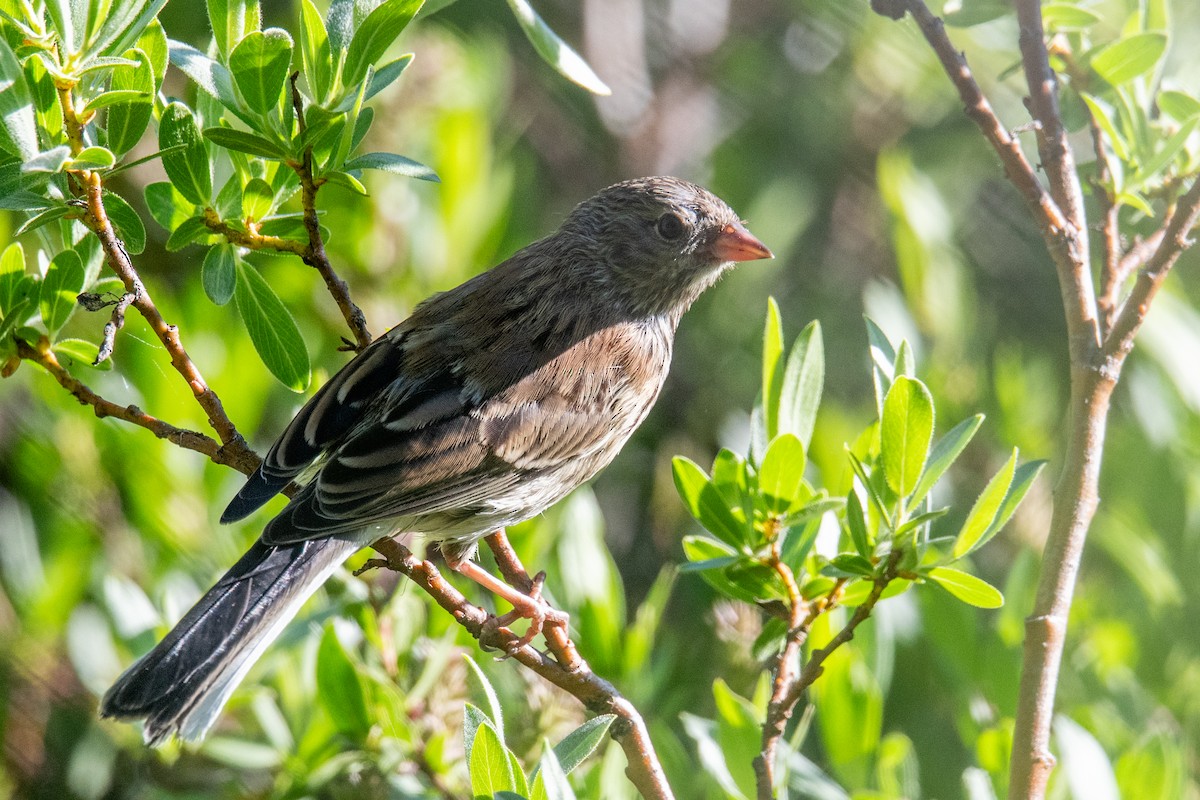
(375, 35)
(395, 164)
(188, 168)
(803, 383)
(705, 503)
(219, 273)
(62, 284)
(554, 51)
(966, 587)
(127, 120)
(272, 329)
(905, 433)
(489, 767)
(1130, 57)
(339, 688)
(127, 221)
(781, 476)
(259, 65)
(986, 507)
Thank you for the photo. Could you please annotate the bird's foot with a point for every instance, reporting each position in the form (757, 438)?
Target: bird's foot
(529, 606)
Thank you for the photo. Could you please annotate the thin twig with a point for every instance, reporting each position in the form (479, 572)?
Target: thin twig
(813, 669)
(316, 256)
(785, 664)
(575, 676)
(1176, 239)
(1058, 160)
(97, 221)
(40, 353)
(1111, 277)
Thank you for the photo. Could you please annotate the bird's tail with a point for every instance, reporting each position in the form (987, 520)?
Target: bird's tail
(181, 685)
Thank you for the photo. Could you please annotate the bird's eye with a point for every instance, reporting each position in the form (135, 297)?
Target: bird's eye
(669, 226)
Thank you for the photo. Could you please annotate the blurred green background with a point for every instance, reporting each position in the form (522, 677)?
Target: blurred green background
(836, 135)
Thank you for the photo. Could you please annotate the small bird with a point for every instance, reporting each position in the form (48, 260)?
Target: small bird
(489, 404)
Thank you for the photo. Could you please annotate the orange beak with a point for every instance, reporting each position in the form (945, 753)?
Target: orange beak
(735, 243)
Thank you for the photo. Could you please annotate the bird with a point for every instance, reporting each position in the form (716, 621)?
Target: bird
(490, 403)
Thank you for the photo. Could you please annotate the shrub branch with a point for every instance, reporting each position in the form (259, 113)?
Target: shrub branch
(1096, 362)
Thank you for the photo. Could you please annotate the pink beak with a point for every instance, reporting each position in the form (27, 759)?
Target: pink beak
(735, 243)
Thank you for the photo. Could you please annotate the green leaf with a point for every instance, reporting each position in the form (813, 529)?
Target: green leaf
(554, 50)
(315, 52)
(345, 142)
(380, 80)
(986, 507)
(849, 565)
(153, 42)
(272, 329)
(966, 587)
(1153, 166)
(231, 20)
(63, 282)
(115, 97)
(346, 181)
(883, 362)
(18, 126)
(127, 120)
(496, 713)
(123, 25)
(1068, 17)
(211, 76)
(94, 157)
(258, 199)
(781, 476)
(188, 169)
(244, 142)
(12, 274)
(705, 503)
(701, 549)
(944, 453)
(192, 230)
(1023, 478)
(473, 719)
(390, 162)
(489, 767)
(772, 374)
(219, 272)
(1130, 57)
(1102, 113)
(129, 224)
(1180, 106)
(259, 65)
(53, 160)
(42, 218)
(803, 382)
(739, 732)
(339, 688)
(375, 35)
(167, 206)
(580, 743)
(81, 351)
(905, 433)
(856, 521)
(857, 592)
(551, 781)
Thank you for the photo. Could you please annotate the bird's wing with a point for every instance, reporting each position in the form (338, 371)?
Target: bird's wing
(325, 418)
(449, 456)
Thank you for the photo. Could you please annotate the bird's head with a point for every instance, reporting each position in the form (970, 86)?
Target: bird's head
(662, 241)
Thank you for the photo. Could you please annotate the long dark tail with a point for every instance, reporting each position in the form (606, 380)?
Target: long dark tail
(181, 685)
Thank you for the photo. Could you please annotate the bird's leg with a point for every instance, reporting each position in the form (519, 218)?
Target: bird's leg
(529, 606)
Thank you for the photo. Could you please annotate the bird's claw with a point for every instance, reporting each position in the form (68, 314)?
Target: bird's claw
(529, 606)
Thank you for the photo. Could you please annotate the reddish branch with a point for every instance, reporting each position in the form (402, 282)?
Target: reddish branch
(315, 255)
(566, 670)
(1095, 362)
(41, 354)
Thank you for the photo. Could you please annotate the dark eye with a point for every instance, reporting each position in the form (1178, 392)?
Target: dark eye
(669, 226)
